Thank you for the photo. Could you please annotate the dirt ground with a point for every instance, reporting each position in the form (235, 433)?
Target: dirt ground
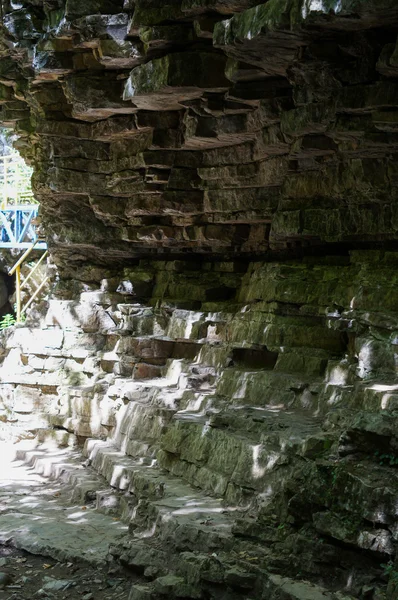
(24, 576)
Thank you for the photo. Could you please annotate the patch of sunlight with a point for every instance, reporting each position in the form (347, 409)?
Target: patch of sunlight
(79, 515)
(387, 400)
(338, 376)
(110, 356)
(230, 509)
(195, 405)
(124, 482)
(284, 443)
(61, 25)
(211, 333)
(11, 364)
(265, 496)
(275, 408)
(192, 502)
(365, 356)
(172, 398)
(197, 510)
(174, 372)
(311, 6)
(116, 476)
(205, 429)
(190, 320)
(242, 386)
(29, 502)
(350, 581)
(183, 381)
(334, 397)
(44, 467)
(257, 471)
(129, 90)
(379, 387)
(146, 534)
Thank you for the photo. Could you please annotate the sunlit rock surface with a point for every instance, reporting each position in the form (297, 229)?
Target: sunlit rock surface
(218, 183)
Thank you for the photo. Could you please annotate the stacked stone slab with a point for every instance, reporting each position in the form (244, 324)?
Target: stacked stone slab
(218, 188)
(217, 128)
(259, 430)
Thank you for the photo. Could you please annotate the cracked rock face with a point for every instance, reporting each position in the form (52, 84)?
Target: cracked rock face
(218, 186)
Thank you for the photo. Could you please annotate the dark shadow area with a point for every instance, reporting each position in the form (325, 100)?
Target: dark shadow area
(249, 358)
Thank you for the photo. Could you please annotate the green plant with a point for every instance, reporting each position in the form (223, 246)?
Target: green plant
(7, 321)
(386, 459)
(390, 572)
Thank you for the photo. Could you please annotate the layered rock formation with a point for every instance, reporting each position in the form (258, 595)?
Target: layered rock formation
(218, 189)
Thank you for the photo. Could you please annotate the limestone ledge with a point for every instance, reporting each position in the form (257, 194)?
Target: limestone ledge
(215, 128)
(271, 408)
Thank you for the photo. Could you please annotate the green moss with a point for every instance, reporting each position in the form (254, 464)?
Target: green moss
(249, 24)
(206, 70)
(54, 17)
(154, 16)
(150, 77)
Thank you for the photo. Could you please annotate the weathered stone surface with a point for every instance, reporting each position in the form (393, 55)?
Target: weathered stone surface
(218, 186)
(197, 412)
(275, 139)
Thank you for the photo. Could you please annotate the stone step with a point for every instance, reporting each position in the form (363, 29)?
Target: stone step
(268, 388)
(289, 589)
(152, 349)
(240, 583)
(258, 421)
(138, 422)
(139, 320)
(68, 372)
(154, 503)
(174, 376)
(369, 490)
(55, 342)
(65, 465)
(59, 437)
(380, 397)
(233, 453)
(160, 502)
(168, 586)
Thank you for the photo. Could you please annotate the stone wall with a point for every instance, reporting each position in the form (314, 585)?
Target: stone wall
(218, 128)
(264, 397)
(217, 185)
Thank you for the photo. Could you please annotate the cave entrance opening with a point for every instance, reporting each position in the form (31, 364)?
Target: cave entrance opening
(15, 173)
(19, 231)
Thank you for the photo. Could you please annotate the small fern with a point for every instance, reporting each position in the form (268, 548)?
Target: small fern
(7, 321)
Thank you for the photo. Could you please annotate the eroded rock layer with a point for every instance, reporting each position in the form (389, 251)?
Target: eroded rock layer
(221, 128)
(219, 193)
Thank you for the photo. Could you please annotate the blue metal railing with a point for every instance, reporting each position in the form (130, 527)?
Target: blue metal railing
(18, 229)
